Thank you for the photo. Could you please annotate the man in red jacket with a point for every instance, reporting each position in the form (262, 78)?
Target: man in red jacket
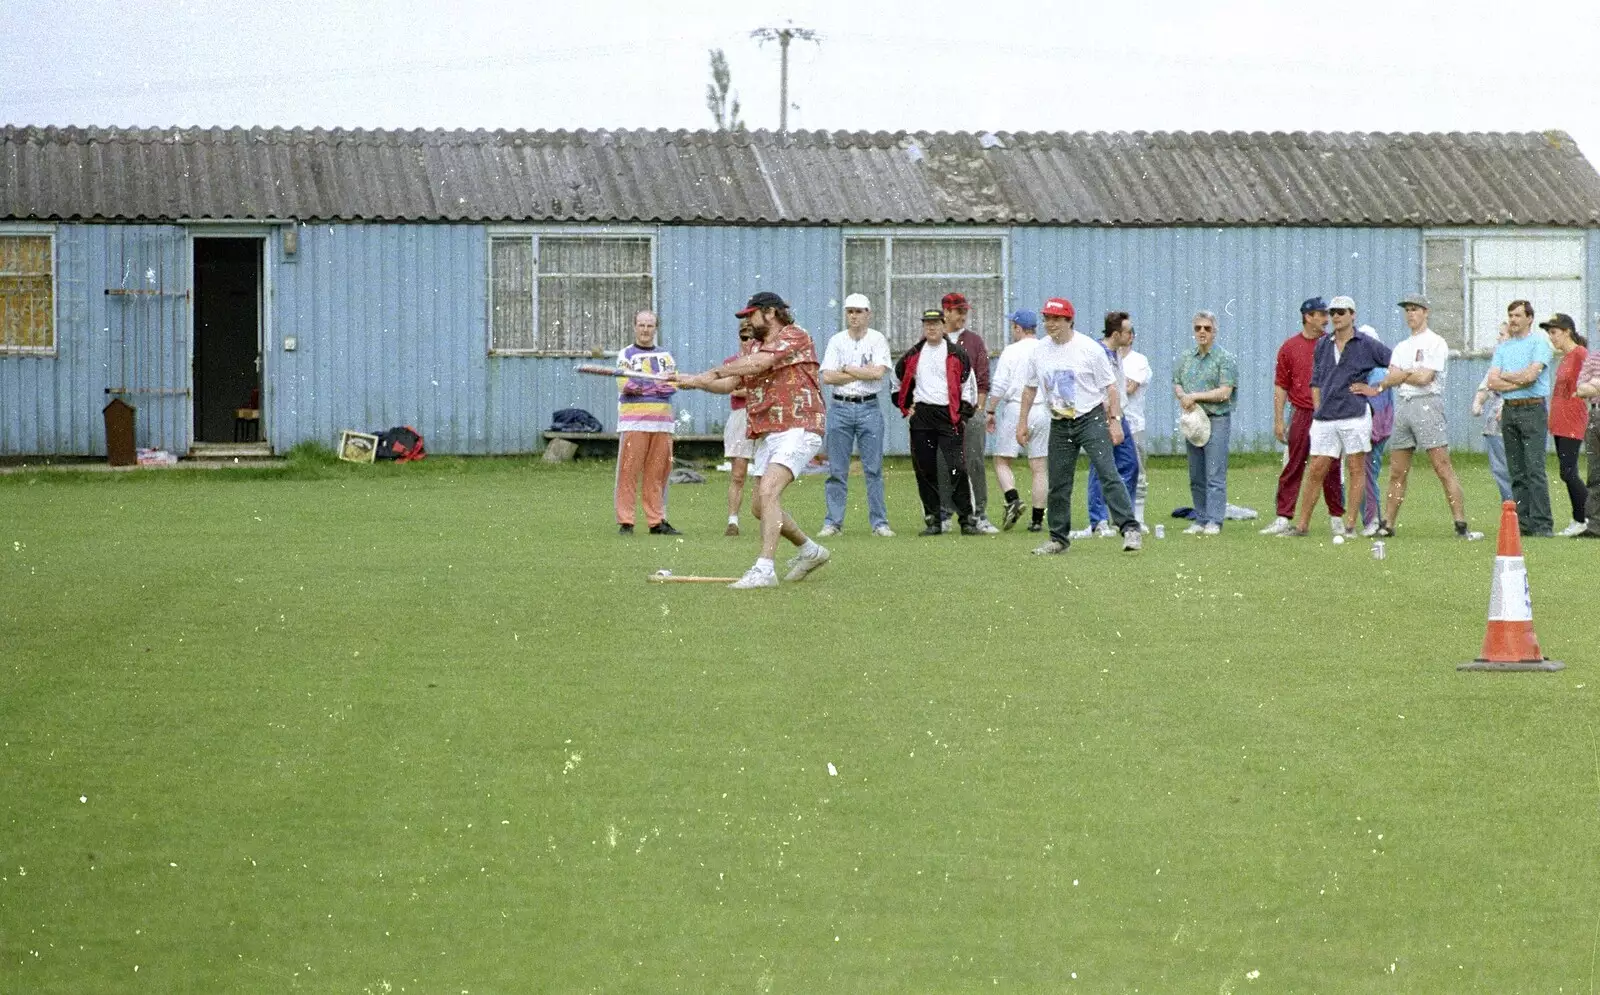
(938, 392)
(1291, 385)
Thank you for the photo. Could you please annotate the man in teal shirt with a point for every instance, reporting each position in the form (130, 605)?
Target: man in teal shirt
(1520, 373)
(1206, 376)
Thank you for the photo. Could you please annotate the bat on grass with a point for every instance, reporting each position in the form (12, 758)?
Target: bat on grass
(668, 577)
(596, 369)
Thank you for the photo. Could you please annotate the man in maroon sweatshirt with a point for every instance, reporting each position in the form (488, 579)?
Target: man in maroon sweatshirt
(956, 309)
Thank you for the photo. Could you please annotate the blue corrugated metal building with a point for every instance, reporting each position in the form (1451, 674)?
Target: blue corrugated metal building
(450, 280)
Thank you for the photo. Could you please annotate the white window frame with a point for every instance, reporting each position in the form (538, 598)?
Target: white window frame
(34, 231)
(929, 234)
(651, 233)
(1470, 278)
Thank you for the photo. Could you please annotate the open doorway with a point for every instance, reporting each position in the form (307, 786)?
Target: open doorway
(227, 338)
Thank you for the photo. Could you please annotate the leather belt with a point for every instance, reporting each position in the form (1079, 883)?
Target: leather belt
(1522, 402)
(869, 399)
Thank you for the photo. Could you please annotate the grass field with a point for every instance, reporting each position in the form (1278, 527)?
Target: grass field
(427, 729)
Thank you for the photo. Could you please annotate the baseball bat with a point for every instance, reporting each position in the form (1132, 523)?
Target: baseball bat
(613, 371)
(668, 577)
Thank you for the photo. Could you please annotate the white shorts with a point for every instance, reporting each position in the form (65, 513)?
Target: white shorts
(791, 448)
(1005, 430)
(736, 441)
(1344, 437)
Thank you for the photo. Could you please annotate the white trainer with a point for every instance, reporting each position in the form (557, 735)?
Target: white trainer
(883, 531)
(1132, 542)
(801, 565)
(1194, 529)
(1081, 534)
(1336, 525)
(755, 577)
(1370, 530)
(987, 527)
(1050, 548)
(1279, 526)
(1104, 531)
(1211, 529)
(828, 531)
(1572, 530)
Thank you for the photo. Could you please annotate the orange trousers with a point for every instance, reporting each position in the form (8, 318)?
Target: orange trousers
(647, 455)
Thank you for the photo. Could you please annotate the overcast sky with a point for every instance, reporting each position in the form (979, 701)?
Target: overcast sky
(1349, 65)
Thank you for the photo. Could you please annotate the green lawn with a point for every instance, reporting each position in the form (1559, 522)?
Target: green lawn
(427, 729)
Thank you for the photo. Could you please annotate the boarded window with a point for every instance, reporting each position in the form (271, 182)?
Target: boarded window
(27, 294)
(1472, 280)
(571, 294)
(907, 274)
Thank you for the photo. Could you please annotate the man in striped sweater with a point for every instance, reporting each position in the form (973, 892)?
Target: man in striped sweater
(644, 430)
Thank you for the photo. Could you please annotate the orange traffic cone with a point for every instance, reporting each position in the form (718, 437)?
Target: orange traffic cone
(1510, 643)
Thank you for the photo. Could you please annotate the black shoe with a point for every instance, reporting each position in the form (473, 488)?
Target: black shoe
(1035, 526)
(624, 530)
(932, 529)
(664, 529)
(1385, 530)
(971, 529)
(1013, 513)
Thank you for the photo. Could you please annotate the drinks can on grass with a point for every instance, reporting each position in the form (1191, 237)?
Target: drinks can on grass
(1378, 550)
(1161, 531)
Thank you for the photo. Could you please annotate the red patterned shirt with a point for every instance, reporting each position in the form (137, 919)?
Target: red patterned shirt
(789, 395)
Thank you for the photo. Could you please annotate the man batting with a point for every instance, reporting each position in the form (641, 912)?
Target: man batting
(785, 409)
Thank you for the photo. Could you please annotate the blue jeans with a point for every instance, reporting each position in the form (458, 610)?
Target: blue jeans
(1126, 455)
(1497, 465)
(854, 427)
(1208, 474)
(1371, 507)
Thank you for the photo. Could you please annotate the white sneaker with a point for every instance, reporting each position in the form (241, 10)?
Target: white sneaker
(1370, 530)
(828, 531)
(1104, 530)
(801, 565)
(948, 525)
(1336, 526)
(1194, 529)
(883, 531)
(1279, 526)
(1081, 534)
(1132, 542)
(755, 577)
(1572, 530)
(1212, 529)
(1144, 529)
(1050, 548)
(987, 527)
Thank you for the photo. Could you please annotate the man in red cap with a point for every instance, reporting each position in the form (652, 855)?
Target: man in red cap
(956, 310)
(1073, 375)
(785, 407)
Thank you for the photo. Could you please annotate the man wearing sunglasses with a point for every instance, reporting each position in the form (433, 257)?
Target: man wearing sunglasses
(1341, 426)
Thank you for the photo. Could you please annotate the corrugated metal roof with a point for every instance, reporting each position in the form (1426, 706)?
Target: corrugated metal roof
(1103, 178)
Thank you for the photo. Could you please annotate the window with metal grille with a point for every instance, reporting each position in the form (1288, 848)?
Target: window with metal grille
(1471, 279)
(904, 274)
(567, 294)
(27, 294)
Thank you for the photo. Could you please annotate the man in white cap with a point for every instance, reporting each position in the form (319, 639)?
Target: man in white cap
(853, 366)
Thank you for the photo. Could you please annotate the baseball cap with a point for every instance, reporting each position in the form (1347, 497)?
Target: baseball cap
(1559, 320)
(759, 300)
(955, 302)
(1415, 300)
(932, 314)
(1313, 304)
(1058, 307)
(858, 301)
(1023, 317)
(1342, 301)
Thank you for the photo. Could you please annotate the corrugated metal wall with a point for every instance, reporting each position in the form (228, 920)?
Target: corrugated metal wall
(390, 323)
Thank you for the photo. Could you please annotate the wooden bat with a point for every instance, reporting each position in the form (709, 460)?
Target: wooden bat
(668, 577)
(613, 371)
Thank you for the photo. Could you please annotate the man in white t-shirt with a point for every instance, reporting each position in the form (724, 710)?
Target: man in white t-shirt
(1005, 404)
(853, 366)
(1417, 374)
(1137, 372)
(1072, 376)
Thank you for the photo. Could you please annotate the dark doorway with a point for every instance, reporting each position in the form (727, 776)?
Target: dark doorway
(227, 334)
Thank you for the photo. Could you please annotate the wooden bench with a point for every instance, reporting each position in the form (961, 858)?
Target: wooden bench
(604, 444)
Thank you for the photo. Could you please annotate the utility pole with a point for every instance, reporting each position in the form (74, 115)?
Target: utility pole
(783, 36)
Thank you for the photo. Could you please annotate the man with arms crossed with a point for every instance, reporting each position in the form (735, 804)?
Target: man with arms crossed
(786, 418)
(1291, 385)
(1005, 404)
(853, 366)
(1417, 374)
(1073, 378)
(1520, 373)
(1342, 423)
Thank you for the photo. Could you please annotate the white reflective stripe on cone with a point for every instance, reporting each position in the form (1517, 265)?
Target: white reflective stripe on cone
(1510, 599)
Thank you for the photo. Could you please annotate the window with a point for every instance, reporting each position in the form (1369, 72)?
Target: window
(905, 274)
(1471, 279)
(27, 294)
(567, 294)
